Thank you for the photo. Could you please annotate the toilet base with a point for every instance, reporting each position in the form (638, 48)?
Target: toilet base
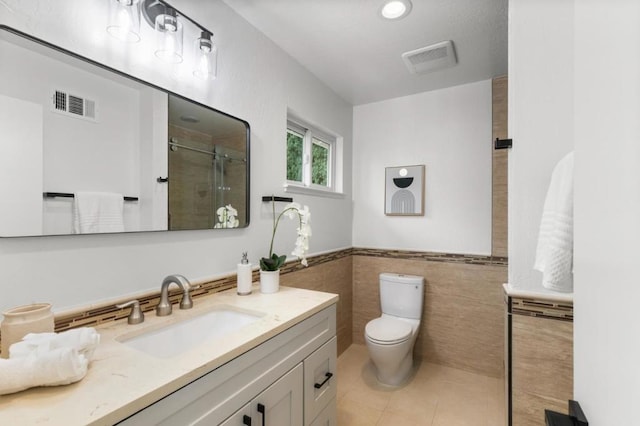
(396, 377)
(392, 363)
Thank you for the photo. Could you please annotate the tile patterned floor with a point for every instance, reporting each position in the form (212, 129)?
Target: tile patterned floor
(434, 396)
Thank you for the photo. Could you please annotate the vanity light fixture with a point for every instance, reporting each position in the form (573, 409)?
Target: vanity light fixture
(168, 23)
(124, 20)
(395, 9)
(206, 57)
(169, 36)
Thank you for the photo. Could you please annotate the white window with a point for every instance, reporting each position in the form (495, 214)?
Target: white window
(311, 159)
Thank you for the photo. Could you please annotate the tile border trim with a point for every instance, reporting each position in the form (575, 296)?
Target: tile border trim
(107, 312)
(470, 259)
(541, 308)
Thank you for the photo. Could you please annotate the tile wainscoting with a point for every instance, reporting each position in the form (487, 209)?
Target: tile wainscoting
(539, 372)
(327, 272)
(463, 320)
(462, 324)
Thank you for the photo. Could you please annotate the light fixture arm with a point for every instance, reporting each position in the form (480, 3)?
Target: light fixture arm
(152, 8)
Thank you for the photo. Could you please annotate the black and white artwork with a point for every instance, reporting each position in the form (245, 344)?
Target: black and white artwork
(404, 191)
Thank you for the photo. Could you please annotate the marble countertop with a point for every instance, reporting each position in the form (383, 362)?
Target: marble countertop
(122, 380)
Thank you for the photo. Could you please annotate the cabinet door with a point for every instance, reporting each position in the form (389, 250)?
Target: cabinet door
(328, 416)
(278, 405)
(319, 380)
(242, 417)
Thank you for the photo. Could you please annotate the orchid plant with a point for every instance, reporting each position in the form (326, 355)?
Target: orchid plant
(292, 210)
(227, 217)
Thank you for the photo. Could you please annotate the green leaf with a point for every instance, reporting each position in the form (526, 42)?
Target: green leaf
(273, 263)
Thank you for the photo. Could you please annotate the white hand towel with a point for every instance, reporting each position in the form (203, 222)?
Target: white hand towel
(52, 368)
(98, 212)
(554, 254)
(84, 340)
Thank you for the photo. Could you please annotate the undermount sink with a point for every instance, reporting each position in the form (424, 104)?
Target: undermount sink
(179, 337)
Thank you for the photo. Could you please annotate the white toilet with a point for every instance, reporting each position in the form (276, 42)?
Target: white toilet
(391, 337)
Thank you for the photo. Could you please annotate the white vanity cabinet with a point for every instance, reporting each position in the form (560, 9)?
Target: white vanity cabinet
(290, 377)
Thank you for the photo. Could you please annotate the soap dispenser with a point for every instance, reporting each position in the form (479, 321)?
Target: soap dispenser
(244, 276)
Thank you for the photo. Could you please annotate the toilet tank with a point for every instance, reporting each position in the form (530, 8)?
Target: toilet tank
(401, 295)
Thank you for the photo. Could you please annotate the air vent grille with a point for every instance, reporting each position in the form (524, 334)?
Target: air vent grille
(431, 58)
(74, 106)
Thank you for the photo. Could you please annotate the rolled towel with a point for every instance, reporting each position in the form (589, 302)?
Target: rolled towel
(84, 340)
(51, 368)
(554, 253)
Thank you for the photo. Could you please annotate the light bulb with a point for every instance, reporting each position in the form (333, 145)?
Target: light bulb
(169, 37)
(206, 57)
(124, 20)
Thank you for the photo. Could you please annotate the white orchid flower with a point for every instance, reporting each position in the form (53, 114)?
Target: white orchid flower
(231, 211)
(303, 215)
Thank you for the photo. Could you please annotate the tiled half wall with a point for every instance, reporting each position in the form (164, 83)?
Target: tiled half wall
(462, 323)
(328, 272)
(463, 320)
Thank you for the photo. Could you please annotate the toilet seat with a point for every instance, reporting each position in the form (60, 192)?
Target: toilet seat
(387, 331)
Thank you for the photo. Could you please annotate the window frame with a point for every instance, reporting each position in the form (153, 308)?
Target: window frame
(310, 133)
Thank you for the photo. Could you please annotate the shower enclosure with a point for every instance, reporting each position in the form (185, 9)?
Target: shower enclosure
(204, 175)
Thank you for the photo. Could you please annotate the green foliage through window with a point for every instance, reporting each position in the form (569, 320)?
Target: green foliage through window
(294, 156)
(319, 163)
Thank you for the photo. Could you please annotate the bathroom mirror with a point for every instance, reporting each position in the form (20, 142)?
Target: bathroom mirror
(69, 124)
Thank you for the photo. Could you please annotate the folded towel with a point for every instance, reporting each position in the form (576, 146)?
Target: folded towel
(52, 368)
(84, 340)
(554, 254)
(98, 212)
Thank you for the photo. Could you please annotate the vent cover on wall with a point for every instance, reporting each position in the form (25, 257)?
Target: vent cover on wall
(74, 106)
(431, 58)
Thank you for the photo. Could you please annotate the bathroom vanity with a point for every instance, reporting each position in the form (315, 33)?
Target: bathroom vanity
(279, 369)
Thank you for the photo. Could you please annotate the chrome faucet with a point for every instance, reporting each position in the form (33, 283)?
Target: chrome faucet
(164, 307)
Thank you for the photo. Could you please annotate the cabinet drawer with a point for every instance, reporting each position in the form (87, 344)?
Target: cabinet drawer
(327, 417)
(320, 379)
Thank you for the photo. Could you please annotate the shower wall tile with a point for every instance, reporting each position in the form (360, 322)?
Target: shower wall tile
(500, 111)
(463, 318)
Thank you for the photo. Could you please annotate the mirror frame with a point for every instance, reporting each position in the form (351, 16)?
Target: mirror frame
(77, 56)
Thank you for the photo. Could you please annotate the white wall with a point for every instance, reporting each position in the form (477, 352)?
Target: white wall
(21, 163)
(540, 121)
(447, 130)
(256, 82)
(607, 210)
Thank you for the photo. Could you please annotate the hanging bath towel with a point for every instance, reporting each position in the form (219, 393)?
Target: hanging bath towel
(554, 255)
(96, 212)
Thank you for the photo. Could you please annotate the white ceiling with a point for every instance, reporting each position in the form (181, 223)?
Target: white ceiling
(357, 53)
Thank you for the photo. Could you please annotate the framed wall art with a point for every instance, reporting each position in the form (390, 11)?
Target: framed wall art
(404, 191)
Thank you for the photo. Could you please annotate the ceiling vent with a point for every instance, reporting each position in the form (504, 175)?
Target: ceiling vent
(431, 58)
(74, 106)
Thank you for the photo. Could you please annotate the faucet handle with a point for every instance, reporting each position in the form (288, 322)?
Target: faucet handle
(136, 316)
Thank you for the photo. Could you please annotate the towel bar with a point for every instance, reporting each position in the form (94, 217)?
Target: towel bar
(69, 195)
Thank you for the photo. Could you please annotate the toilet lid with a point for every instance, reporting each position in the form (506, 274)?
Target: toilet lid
(387, 330)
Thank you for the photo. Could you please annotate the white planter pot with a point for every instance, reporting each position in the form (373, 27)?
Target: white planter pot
(269, 281)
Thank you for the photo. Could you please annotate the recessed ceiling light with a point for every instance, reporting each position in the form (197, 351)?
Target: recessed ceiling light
(395, 9)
